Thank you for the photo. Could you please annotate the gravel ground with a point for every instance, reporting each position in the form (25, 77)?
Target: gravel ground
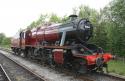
(53, 75)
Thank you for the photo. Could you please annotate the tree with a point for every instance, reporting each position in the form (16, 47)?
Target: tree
(39, 22)
(32, 25)
(6, 41)
(2, 36)
(54, 18)
(64, 19)
(113, 16)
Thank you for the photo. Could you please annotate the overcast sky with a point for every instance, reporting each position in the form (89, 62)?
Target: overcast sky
(16, 14)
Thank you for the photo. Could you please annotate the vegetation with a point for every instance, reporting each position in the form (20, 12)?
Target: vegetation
(116, 67)
(4, 41)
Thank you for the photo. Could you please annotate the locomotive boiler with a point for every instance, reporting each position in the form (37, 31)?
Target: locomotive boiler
(62, 45)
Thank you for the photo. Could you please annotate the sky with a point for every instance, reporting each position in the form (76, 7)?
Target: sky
(16, 14)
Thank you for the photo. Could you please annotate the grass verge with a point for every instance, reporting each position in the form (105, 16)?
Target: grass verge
(117, 67)
(5, 46)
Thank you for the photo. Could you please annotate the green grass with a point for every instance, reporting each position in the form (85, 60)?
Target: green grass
(117, 67)
(5, 46)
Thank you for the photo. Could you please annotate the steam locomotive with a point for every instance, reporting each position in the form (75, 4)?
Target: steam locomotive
(62, 45)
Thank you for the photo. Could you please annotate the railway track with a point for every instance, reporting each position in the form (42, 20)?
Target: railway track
(16, 72)
(92, 76)
(3, 75)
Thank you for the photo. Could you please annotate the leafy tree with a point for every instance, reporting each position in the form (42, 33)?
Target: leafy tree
(2, 36)
(64, 19)
(113, 16)
(54, 18)
(6, 41)
(42, 19)
(32, 25)
(39, 22)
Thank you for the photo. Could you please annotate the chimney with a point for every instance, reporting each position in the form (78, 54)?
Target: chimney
(73, 17)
